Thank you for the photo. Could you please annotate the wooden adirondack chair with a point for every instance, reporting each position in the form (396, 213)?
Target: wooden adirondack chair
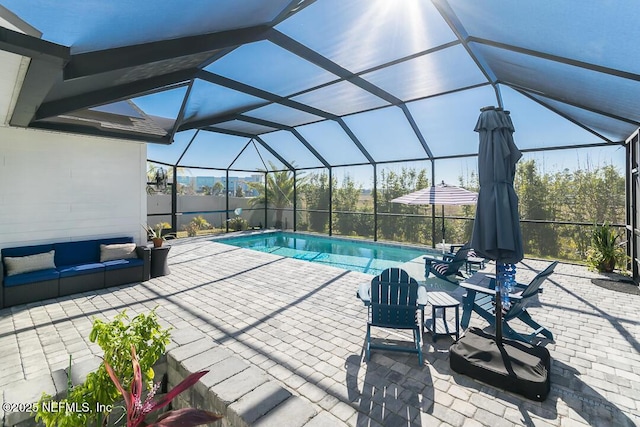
(449, 266)
(482, 301)
(394, 305)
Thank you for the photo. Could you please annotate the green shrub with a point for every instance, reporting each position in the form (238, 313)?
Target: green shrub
(238, 223)
(97, 395)
(198, 223)
(605, 253)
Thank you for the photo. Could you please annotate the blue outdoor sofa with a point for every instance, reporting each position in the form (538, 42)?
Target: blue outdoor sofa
(35, 273)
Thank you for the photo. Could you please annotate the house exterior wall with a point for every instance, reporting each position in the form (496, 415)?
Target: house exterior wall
(65, 187)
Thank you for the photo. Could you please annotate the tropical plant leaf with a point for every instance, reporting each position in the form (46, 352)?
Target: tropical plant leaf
(136, 384)
(116, 381)
(186, 417)
(185, 384)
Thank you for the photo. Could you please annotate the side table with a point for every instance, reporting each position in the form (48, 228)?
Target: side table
(159, 266)
(441, 326)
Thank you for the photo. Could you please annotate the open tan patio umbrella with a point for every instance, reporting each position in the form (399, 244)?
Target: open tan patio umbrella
(441, 194)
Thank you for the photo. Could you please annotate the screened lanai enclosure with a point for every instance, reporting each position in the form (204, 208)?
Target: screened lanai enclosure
(313, 115)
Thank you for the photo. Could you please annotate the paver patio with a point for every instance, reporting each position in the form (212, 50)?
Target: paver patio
(301, 324)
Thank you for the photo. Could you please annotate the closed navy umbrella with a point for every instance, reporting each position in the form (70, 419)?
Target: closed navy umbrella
(514, 366)
(496, 229)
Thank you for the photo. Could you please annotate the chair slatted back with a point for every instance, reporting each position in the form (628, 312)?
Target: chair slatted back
(462, 253)
(454, 264)
(394, 299)
(457, 261)
(531, 290)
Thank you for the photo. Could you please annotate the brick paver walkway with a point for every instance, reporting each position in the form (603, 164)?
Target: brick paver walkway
(301, 324)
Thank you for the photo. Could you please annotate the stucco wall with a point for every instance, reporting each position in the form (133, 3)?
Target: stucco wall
(212, 208)
(59, 187)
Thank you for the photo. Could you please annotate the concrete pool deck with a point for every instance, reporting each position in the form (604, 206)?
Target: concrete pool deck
(301, 325)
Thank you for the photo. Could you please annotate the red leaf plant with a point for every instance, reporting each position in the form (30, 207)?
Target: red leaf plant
(137, 410)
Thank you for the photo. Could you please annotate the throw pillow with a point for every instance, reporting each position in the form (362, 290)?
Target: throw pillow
(29, 263)
(117, 251)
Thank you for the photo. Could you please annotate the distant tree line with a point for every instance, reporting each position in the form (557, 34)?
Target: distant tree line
(353, 210)
(549, 204)
(586, 196)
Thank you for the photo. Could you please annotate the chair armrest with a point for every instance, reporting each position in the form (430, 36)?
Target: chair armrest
(423, 298)
(489, 291)
(364, 293)
(144, 253)
(481, 289)
(516, 296)
(428, 260)
(522, 286)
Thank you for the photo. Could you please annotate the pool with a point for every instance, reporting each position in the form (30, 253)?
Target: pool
(355, 255)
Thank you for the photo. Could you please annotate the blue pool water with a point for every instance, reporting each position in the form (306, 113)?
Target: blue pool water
(362, 256)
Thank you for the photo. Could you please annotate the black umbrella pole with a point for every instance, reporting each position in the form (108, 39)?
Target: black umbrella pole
(499, 285)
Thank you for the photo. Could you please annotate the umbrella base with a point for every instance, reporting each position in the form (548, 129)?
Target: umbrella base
(513, 366)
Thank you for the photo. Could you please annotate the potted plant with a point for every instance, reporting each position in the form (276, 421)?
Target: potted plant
(155, 233)
(605, 252)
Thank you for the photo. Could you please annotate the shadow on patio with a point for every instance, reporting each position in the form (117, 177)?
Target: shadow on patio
(302, 325)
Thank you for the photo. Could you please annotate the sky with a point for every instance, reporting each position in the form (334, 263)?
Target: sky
(343, 33)
(387, 136)
(451, 171)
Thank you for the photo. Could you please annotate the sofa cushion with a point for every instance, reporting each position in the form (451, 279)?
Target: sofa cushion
(26, 250)
(80, 269)
(84, 252)
(123, 263)
(117, 251)
(29, 263)
(75, 253)
(112, 240)
(32, 277)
